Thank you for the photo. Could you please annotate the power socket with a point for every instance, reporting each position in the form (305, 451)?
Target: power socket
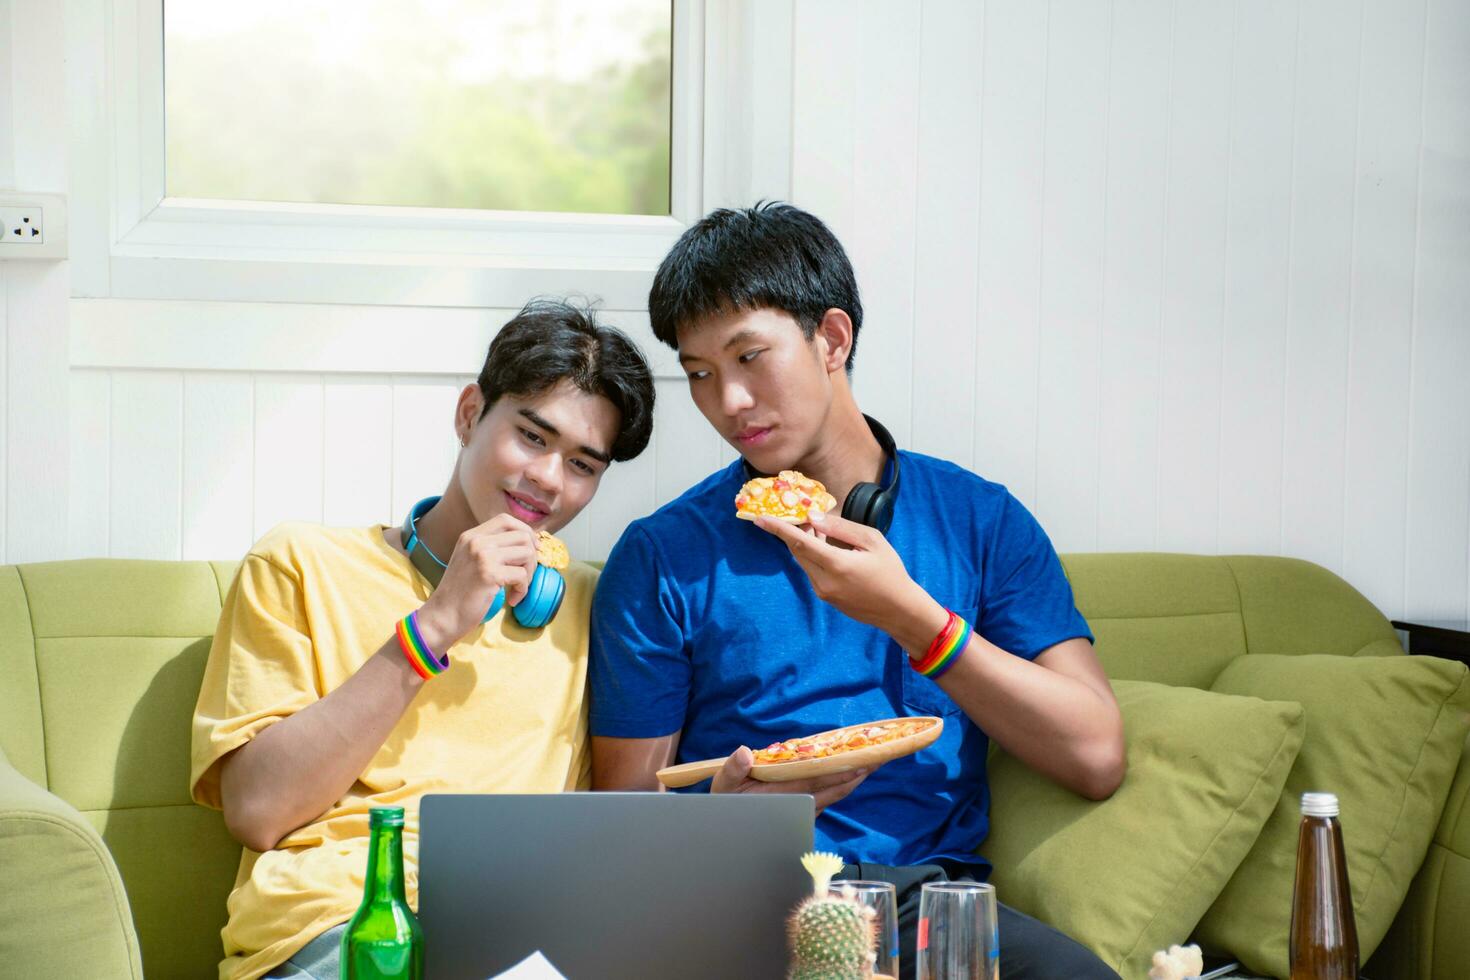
(22, 226)
(32, 226)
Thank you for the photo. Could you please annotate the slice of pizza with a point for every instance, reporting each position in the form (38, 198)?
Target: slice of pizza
(838, 741)
(550, 551)
(789, 497)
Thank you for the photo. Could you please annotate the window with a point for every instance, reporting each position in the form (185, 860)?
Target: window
(554, 106)
(448, 153)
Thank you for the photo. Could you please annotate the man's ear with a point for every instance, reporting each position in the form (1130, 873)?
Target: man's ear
(467, 412)
(834, 339)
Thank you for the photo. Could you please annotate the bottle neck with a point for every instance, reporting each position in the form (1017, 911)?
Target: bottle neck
(385, 865)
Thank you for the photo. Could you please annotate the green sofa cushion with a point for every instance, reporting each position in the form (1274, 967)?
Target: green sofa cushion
(60, 883)
(21, 736)
(179, 863)
(1293, 606)
(1134, 873)
(117, 654)
(1173, 619)
(1383, 733)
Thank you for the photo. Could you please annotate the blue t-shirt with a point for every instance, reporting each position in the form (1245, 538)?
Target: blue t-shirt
(705, 623)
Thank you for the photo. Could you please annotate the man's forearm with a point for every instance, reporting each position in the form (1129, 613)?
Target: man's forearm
(629, 764)
(1057, 724)
(296, 769)
(1063, 723)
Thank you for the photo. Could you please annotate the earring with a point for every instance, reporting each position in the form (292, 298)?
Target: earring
(464, 441)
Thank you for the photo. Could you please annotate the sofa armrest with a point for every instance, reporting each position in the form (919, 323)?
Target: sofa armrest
(68, 915)
(1428, 939)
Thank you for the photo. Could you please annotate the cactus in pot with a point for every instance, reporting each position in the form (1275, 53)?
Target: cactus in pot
(832, 937)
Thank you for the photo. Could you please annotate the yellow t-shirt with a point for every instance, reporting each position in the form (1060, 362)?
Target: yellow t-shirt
(309, 606)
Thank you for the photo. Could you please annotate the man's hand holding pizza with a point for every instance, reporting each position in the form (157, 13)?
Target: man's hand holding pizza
(854, 568)
(825, 790)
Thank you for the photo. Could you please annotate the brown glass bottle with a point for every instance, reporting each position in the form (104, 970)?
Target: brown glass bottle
(1324, 934)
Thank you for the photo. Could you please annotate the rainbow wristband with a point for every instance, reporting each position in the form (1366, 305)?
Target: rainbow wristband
(941, 638)
(946, 649)
(423, 660)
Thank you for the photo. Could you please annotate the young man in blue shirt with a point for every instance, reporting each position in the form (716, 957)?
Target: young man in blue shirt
(709, 632)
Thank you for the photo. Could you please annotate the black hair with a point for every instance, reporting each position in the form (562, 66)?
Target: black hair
(771, 256)
(552, 340)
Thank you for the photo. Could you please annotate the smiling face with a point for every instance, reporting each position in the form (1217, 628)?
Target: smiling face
(764, 387)
(538, 458)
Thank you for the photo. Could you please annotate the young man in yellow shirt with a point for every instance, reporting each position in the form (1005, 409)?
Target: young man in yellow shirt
(310, 710)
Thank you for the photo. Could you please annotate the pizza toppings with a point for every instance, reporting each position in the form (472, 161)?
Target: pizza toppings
(841, 740)
(551, 552)
(789, 497)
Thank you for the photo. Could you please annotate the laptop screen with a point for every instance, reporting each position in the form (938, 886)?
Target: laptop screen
(611, 885)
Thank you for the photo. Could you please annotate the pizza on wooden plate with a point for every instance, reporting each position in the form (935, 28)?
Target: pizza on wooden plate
(840, 750)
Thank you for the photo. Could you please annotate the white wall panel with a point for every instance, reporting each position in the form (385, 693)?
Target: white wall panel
(357, 451)
(1132, 272)
(147, 445)
(424, 442)
(1252, 367)
(881, 242)
(89, 508)
(1191, 328)
(1437, 577)
(1381, 307)
(946, 229)
(824, 109)
(288, 462)
(218, 470)
(686, 448)
(36, 413)
(1320, 266)
(1073, 229)
(1012, 162)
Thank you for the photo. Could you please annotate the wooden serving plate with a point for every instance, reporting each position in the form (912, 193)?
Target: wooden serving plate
(689, 773)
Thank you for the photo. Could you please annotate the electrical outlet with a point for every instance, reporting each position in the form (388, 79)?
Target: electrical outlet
(22, 226)
(32, 226)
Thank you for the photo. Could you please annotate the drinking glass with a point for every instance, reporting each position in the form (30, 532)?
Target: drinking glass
(958, 933)
(881, 898)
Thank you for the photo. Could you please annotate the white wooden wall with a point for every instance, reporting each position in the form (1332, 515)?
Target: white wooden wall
(1186, 276)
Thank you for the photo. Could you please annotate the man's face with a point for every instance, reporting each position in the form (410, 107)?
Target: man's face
(759, 382)
(538, 459)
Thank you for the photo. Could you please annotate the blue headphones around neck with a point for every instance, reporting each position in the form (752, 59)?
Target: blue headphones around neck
(543, 597)
(869, 503)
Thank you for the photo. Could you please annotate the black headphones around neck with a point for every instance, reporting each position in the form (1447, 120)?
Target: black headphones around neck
(867, 503)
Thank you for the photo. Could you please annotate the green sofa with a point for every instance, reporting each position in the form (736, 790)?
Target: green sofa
(108, 869)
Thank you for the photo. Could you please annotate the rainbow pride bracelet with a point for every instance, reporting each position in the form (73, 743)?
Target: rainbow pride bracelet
(424, 661)
(946, 648)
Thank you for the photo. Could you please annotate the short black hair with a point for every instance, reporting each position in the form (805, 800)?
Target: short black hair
(771, 256)
(552, 340)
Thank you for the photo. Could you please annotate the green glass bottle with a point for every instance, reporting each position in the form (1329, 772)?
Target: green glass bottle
(384, 940)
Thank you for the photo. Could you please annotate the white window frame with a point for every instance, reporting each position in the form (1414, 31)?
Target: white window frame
(731, 142)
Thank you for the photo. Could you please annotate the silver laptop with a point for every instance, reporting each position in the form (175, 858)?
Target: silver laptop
(609, 886)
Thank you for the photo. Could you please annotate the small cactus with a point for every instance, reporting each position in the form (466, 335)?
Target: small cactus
(831, 937)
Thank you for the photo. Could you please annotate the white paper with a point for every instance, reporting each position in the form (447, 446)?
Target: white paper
(533, 967)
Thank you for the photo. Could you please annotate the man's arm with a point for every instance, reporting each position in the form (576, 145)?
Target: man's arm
(630, 763)
(293, 771)
(1056, 713)
(296, 769)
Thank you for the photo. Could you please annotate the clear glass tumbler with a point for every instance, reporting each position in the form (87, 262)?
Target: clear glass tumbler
(881, 898)
(959, 936)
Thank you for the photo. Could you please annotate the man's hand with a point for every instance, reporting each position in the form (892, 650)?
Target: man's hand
(499, 554)
(861, 575)
(826, 790)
